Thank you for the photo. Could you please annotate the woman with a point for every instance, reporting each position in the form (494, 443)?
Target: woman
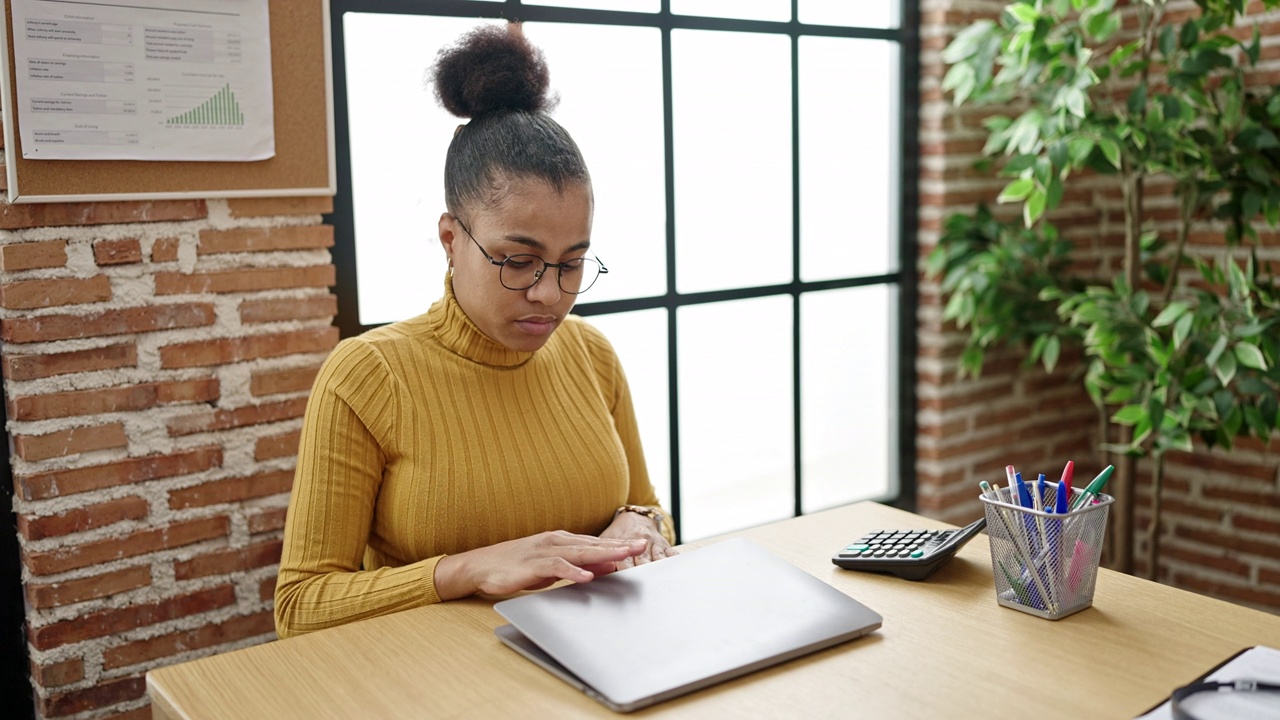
(490, 445)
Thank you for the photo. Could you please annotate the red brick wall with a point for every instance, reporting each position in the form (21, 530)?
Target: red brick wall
(156, 358)
(1221, 509)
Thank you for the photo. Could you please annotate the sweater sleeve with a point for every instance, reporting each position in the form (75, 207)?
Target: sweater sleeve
(614, 383)
(340, 464)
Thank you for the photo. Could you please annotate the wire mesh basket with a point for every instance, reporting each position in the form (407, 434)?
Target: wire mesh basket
(1044, 563)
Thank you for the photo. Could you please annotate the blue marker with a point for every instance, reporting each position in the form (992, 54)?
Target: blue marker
(1024, 494)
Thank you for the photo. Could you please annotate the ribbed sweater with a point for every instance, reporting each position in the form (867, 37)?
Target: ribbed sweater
(425, 438)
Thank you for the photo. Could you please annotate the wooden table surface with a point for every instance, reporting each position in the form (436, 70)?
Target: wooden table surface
(946, 650)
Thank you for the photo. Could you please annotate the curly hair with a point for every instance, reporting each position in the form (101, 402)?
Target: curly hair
(495, 77)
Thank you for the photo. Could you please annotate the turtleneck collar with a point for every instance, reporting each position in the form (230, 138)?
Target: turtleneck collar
(460, 335)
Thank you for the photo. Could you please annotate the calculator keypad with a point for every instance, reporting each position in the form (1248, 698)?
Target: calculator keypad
(896, 544)
(909, 554)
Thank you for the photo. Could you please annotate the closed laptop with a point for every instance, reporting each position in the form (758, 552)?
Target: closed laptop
(650, 633)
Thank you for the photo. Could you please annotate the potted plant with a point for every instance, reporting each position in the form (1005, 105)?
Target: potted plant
(1181, 345)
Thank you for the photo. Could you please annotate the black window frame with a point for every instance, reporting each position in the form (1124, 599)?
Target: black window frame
(907, 36)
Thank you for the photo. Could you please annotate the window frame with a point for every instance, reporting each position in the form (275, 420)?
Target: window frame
(906, 35)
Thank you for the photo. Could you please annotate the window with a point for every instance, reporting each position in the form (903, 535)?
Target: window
(748, 158)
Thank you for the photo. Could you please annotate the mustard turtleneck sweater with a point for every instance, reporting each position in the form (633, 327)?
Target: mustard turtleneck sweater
(425, 438)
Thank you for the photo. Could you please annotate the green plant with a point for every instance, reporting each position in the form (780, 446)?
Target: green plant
(993, 274)
(1177, 346)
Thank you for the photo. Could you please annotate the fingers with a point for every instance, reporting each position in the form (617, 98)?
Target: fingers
(656, 551)
(581, 564)
(599, 569)
(582, 555)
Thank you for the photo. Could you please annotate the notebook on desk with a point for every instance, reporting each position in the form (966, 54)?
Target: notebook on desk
(637, 637)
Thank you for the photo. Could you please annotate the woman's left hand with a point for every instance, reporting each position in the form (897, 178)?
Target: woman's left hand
(630, 526)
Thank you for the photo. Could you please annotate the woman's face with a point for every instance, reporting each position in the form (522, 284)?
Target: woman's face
(531, 218)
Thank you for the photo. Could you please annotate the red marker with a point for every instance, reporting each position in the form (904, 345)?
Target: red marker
(1067, 473)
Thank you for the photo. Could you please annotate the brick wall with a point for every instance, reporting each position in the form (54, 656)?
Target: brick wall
(1221, 509)
(157, 358)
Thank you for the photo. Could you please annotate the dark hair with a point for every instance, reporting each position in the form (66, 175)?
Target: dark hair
(494, 76)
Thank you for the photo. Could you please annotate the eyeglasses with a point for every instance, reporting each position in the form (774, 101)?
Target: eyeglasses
(521, 272)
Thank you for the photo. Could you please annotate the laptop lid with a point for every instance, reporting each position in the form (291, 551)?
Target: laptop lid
(653, 632)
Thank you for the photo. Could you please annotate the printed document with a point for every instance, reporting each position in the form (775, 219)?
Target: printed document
(1260, 663)
(143, 79)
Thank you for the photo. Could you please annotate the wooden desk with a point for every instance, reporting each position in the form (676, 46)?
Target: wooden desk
(946, 650)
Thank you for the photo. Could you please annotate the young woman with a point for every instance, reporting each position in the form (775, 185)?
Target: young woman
(490, 445)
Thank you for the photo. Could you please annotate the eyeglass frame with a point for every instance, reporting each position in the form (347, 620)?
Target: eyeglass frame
(537, 275)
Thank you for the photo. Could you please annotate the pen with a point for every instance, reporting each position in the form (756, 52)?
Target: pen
(1024, 495)
(1094, 488)
(1034, 537)
(1063, 492)
(1019, 587)
(1067, 473)
(1046, 536)
(1037, 596)
(988, 491)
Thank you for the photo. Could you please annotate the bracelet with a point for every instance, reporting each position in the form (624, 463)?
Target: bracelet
(648, 512)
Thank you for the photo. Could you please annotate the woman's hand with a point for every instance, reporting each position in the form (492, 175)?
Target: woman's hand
(630, 525)
(533, 562)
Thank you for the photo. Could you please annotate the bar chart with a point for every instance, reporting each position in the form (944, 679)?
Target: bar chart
(221, 109)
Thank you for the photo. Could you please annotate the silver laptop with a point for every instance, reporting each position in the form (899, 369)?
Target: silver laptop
(660, 630)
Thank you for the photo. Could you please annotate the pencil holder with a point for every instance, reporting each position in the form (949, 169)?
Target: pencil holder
(1044, 563)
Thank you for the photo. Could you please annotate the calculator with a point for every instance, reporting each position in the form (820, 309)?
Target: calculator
(909, 554)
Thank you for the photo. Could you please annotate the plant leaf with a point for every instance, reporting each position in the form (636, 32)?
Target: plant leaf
(1051, 349)
(1172, 312)
(1129, 415)
(1034, 208)
(1080, 147)
(1017, 190)
(1182, 329)
(1216, 352)
(1168, 43)
(1111, 150)
(1250, 356)
(1226, 368)
(1137, 98)
(960, 80)
(1075, 99)
(967, 41)
(1025, 14)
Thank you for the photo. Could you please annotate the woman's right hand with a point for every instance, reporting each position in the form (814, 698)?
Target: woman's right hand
(531, 563)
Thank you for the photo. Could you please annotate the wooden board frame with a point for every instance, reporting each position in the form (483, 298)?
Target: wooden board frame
(304, 163)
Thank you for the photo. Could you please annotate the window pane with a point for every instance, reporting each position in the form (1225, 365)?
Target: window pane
(609, 80)
(649, 6)
(640, 339)
(779, 10)
(848, 395)
(732, 110)
(736, 449)
(851, 13)
(848, 119)
(610, 83)
(399, 136)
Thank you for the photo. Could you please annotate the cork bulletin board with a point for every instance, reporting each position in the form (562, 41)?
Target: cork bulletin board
(304, 164)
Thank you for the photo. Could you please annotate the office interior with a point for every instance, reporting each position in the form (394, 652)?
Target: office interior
(770, 177)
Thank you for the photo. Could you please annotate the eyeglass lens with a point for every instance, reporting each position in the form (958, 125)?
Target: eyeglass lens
(520, 272)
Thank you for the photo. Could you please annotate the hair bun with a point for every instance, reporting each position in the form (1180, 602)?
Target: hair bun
(491, 68)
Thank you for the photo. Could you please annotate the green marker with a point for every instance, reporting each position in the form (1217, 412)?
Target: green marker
(1019, 588)
(1094, 488)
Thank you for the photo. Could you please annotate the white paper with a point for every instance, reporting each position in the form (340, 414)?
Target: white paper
(1260, 663)
(143, 79)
